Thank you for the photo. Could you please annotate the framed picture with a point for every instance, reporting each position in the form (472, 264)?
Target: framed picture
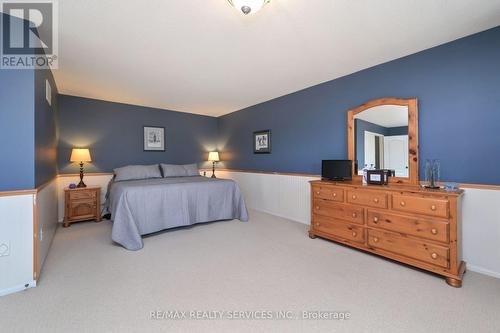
(154, 138)
(262, 142)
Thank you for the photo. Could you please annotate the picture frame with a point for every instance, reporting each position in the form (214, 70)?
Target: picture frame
(154, 138)
(262, 142)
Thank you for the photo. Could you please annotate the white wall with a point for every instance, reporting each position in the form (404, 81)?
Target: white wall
(47, 217)
(16, 232)
(289, 197)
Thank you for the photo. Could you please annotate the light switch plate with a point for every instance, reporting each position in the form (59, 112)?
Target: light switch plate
(4, 248)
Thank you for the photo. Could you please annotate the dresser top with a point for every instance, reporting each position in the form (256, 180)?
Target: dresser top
(390, 187)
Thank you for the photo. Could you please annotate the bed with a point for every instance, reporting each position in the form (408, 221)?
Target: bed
(141, 207)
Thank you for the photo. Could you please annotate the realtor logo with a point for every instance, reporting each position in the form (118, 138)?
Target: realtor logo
(29, 34)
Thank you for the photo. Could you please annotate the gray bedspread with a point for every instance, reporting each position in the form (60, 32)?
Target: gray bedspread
(140, 207)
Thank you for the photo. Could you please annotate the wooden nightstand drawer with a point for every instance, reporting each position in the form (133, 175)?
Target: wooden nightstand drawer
(82, 194)
(83, 209)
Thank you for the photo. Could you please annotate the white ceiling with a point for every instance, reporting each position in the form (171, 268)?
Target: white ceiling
(202, 56)
(385, 115)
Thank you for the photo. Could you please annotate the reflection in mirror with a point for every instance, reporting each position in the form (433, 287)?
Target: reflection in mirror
(381, 139)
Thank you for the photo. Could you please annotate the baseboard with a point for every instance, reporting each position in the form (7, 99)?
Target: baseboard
(15, 289)
(483, 271)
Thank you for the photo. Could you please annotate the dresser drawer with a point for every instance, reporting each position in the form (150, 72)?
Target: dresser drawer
(367, 198)
(82, 195)
(335, 210)
(328, 193)
(429, 253)
(421, 205)
(435, 230)
(338, 228)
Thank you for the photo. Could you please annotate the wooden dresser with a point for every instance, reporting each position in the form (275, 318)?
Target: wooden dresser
(82, 204)
(405, 223)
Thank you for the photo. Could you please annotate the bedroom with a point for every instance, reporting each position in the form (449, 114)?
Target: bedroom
(159, 95)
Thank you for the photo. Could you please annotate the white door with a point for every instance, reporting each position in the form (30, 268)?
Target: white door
(396, 154)
(372, 149)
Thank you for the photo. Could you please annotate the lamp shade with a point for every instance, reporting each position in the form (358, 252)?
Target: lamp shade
(213, 156)
(80, 155)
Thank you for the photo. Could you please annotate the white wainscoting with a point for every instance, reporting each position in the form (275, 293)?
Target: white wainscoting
(289, 197)
(47, 217)
(280, 195)
(16, 233)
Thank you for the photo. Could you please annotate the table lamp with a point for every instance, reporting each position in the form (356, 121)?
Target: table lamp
(213, 157)
(80, 155)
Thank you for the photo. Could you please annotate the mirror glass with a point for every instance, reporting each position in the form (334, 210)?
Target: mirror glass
(381, 139)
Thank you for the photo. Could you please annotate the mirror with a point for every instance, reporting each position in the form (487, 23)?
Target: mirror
(381, 140)
(383, 135)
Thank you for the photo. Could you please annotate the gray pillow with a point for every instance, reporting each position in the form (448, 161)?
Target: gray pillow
(172, 170)
(192, 170)
(131, 172)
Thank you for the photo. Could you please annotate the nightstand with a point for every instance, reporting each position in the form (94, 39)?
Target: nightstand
(82, 204)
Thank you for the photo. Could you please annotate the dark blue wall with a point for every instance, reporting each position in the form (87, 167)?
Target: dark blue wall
(458, 87)
(114, 133)
(16, 130)
(16, 127)
(401, 130)
(45, 129)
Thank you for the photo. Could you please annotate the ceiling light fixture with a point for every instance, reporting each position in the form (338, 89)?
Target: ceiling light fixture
(248, 6)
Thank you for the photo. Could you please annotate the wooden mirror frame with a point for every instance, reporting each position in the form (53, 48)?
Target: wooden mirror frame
(412, 104)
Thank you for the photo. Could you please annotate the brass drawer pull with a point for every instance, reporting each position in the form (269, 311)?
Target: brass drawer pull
(375, 219)
(317, 192)
(376, 200)
(402, 203)
(434, 231)
(354, 215)
(434, 256)
(375, 239)
(317, 224)
(354, 197)
(317, 207)
(334, 195)
(354, 234)
(433, 207)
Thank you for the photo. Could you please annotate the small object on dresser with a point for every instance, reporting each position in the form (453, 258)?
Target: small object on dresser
(72, 186)
(432, 173)
(450, 187)
(379, 177)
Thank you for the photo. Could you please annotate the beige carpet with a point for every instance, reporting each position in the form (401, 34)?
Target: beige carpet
(268, 264)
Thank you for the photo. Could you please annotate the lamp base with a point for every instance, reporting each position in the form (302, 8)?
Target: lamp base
(213, 170)
(81, 184)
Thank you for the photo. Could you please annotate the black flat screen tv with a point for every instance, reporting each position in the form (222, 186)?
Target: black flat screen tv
(336, 169)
